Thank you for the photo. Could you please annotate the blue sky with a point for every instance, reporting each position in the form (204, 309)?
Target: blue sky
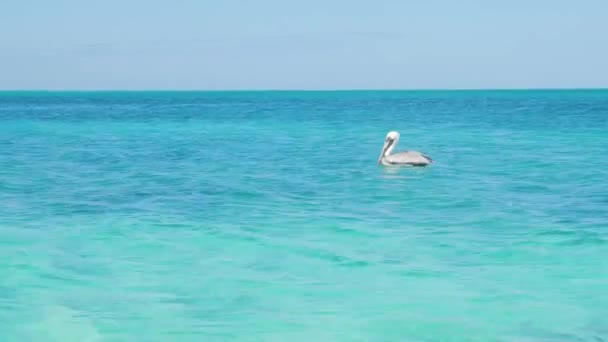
(312, 44)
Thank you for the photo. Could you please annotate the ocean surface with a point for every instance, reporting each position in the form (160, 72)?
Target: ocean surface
(263, 216)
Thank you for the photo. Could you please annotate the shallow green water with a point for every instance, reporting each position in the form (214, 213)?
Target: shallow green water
(263, 216)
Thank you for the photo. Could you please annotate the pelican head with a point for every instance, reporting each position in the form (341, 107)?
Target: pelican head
(392, 138)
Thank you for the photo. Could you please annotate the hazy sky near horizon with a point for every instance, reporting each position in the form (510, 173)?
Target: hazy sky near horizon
(312, 44)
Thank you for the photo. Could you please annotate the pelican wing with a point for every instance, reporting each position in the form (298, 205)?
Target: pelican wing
(409, 158)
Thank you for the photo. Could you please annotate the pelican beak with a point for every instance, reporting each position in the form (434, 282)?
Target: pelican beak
(386, 145)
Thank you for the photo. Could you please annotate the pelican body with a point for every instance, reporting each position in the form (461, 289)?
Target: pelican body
(411, 158)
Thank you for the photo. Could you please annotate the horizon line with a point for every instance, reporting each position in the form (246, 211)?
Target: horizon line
(303, 89)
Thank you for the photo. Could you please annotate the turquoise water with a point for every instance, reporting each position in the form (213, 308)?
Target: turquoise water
(262, 216)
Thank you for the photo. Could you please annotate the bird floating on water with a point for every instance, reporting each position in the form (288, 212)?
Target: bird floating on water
(411, 158)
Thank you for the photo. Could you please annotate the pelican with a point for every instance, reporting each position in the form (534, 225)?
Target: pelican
(412, 158)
